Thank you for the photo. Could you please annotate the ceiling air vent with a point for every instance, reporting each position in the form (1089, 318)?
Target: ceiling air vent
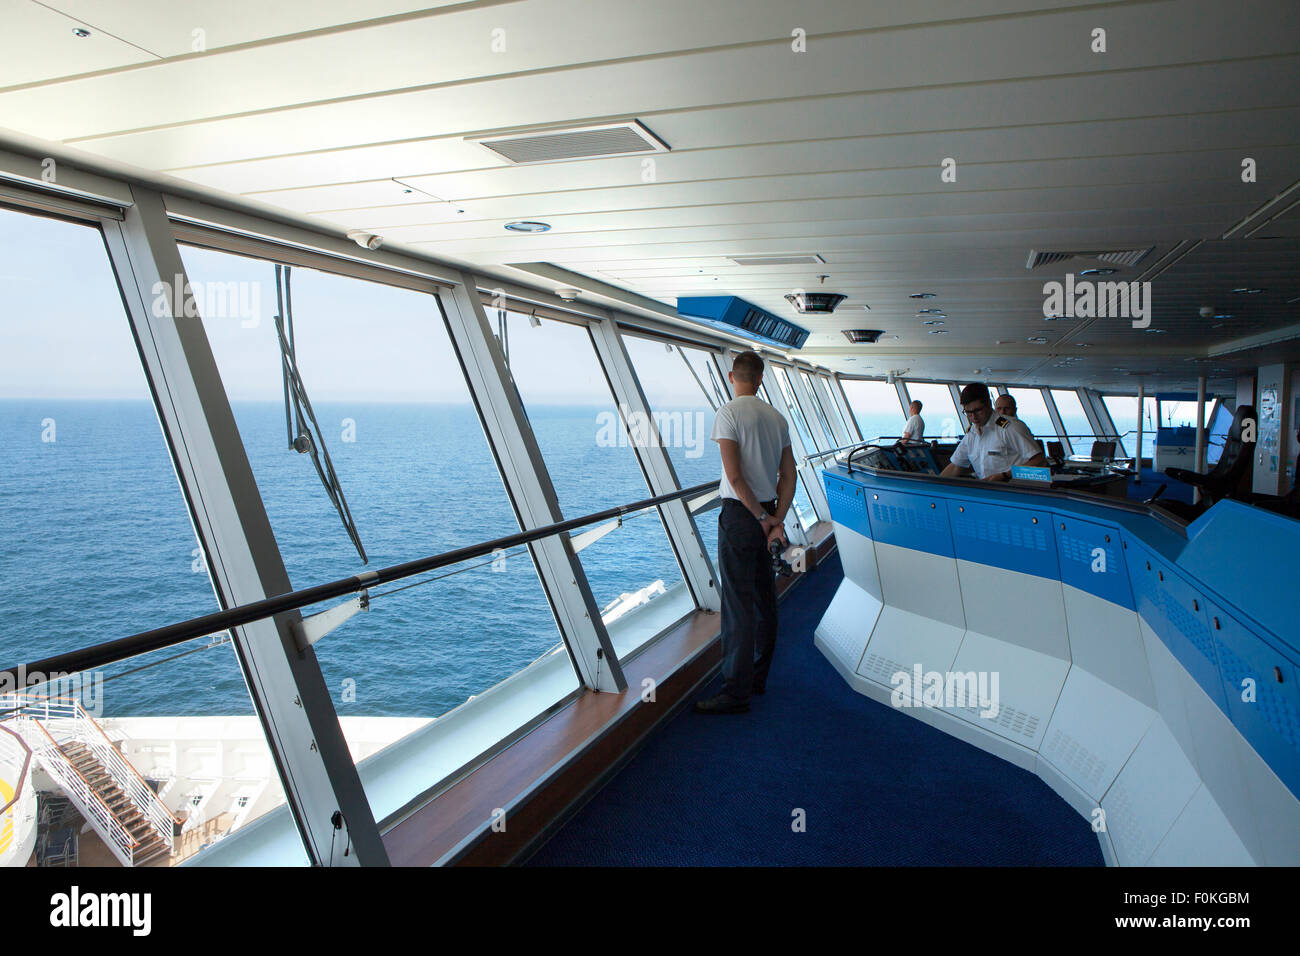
(822, 303)
(857, 336)
(801, 259)
(579, 142)
(1120, 257)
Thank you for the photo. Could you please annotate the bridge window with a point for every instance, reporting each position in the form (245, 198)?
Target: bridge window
(392, 410)
(876, 408)
(1123, 413)
(937, 410)
(1032, 410)
(680, 393)
(592, 462)
(1077, 429)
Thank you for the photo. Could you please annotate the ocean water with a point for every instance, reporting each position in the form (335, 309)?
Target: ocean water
(96, 544)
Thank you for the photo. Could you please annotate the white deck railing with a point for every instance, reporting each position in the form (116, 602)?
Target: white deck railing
(46, 725)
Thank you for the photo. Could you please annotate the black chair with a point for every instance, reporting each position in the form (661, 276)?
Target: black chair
(1221, 481)
(1101, 450)
(1289, 503)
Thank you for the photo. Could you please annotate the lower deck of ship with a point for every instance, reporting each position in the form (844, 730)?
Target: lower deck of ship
(817, 774)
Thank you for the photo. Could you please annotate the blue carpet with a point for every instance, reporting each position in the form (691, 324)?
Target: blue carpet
(877, 787)
(1151, 480)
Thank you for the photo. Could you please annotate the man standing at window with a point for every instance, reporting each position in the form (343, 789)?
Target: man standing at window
(914, 430)
(991, 448)
(1005, 405)
(757, 488)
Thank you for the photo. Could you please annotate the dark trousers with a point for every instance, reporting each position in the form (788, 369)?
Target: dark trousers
(748, 591)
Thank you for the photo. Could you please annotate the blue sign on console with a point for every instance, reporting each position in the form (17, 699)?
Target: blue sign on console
(1031, 473)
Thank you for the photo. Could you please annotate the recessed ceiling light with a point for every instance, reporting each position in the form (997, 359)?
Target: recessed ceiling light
(1036, 340)
(526, 226)
(1158, 331)
(1246, 291)
(1053, 317)
(933, 322)
(921, 295)
(81, 32)
(1098, 272)
(1223, 316)
(931, 312)
(938, 331)
(1083, 345)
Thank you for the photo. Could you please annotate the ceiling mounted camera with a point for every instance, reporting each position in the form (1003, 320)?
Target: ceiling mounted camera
(366, 240)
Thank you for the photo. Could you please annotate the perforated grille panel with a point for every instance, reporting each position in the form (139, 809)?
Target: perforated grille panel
(1087, 767)
(848, 505)
(1015, 722)
(1014, 535)
(1190, 625)
(1277, 710)
(1079, 551)
(916, 519)
(882, 669)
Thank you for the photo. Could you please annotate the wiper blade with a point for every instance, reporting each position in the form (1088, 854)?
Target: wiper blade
(307, 437)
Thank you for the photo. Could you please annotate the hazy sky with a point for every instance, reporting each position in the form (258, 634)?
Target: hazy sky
(64, 335)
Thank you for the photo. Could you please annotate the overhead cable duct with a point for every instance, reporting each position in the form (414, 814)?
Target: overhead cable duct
(304, 431)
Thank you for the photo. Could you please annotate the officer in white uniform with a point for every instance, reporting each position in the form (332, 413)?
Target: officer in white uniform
(994, 443)
(914, 429)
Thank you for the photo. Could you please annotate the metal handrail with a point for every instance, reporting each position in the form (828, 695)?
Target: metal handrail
(115, 835)
(129, 779)
(111, 652)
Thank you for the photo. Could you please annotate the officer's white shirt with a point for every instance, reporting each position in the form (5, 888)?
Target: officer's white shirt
(762, 434)
(915, 428)
(1001, 443)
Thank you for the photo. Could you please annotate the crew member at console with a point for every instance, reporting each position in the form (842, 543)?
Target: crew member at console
(994, 444)
(914, 429)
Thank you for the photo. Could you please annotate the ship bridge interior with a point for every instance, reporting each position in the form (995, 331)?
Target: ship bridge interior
(360, 362)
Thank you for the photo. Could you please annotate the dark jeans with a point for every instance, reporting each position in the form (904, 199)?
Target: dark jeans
(748, 590)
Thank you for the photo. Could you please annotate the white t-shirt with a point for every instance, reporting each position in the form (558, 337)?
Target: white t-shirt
(1003, 442)
(915, 428)
(762, 434)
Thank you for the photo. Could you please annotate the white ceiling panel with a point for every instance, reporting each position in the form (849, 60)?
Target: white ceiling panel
(37, 43)
(355, 113)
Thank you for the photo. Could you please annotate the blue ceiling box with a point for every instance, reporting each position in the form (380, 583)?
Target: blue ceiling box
(732, 314)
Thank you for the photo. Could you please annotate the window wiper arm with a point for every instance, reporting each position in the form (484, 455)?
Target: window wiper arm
(307, 438)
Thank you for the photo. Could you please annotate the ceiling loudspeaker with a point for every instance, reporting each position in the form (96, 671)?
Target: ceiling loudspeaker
(1122, 258)
(822, 303)
(857, 336)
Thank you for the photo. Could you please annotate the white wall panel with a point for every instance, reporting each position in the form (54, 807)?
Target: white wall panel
(858, 555)
(1093, 730)
(1201, 836)
(922, 583)
(1106, 641)
(847, 624)
(1148, 796)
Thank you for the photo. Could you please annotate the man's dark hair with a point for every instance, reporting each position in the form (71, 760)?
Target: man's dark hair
(747, 368)
(918, 404)
(975, 392)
